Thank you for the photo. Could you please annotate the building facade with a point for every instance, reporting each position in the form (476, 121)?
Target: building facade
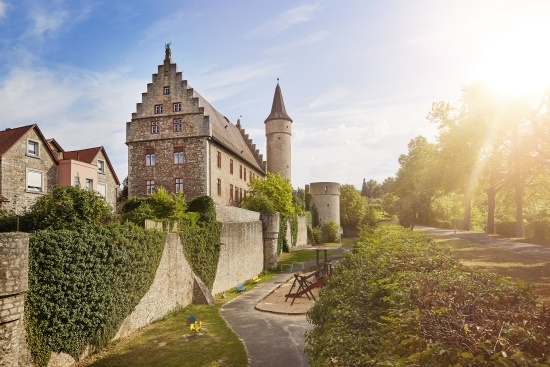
(30, 166)
(177, 140)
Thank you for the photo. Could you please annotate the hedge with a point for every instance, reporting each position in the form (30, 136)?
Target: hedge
(83, 283)
(400, 299)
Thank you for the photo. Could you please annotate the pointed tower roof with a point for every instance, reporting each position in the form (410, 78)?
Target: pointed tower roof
(278, 110)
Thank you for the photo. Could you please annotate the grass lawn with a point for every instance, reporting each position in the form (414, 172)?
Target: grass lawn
(518, 266)
(163, 344)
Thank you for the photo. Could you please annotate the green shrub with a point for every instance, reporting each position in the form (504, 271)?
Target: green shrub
(506, 229)
(329, 231)
(282, 244)
(160, 206)
(400, 299)
(315, 235)
(204, 205)
(539, 230)
(84, 282)
(201, 246)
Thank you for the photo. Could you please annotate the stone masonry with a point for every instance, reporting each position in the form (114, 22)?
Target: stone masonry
(14, 260)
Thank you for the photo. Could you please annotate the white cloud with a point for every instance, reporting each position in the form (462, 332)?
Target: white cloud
(47, 22)
(79, 108)
(2, 9)
(296, 44)
(287, 19)
(224, 83)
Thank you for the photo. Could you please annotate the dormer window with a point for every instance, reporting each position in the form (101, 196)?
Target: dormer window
(177, 107)
(100, 166)
(159, 109)
(166, 90)
(32, 148)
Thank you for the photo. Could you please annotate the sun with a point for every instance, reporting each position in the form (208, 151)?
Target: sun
(517, 61)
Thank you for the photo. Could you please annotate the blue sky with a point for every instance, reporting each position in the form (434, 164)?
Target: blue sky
(358, 77)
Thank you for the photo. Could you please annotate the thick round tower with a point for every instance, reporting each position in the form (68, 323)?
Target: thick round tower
(278, 131)
(325, 196)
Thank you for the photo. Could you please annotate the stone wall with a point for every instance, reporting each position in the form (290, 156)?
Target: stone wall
(14, 260)
(241, 255)
(325, 196)
(226, 213)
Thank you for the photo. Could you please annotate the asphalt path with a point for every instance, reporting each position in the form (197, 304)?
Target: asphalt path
(540, 251)
(271, 340)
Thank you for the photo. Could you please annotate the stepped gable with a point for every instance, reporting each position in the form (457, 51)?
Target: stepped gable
(278, 110)
(259, 157)
(229, 135)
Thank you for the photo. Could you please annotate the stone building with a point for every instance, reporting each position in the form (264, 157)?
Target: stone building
(325, 198)
(177, 140)
(30, 166)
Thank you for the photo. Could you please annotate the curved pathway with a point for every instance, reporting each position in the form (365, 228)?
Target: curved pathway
(501, 243)
(271, 340)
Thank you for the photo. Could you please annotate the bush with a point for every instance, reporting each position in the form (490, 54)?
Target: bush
(204, 205)
(506, 229)
(400, 299)
(315, 235)
(329, 231)
(539, 230)
(83, 283)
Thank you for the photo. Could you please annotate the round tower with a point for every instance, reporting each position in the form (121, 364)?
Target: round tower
(325, 197)
(278, 131)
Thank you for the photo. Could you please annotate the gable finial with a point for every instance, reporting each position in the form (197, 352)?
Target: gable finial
(168, 51)
(277, 80)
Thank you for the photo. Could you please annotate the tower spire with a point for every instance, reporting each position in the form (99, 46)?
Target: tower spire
(278, 110)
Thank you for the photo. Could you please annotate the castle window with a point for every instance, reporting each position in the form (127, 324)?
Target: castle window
(240, 171)
(32, 148)
(159, 109)
(100, 166)
(155, 127)
(231, 193)
(149, 157)
(231, 166)
(179, 156)
(149, 186)
(34, 180)
(166, 90)
(240, 194)
(178, 185)
(219, 159)
(219, 186)
(177, 107)
(245, 173)
(178, 125)
(236, 194)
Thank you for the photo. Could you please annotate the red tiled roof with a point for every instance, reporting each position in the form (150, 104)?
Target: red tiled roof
(9, 137)
(88, 156)
(82, 155)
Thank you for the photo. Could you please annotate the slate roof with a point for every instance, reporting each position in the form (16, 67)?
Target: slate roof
(228, 135)
(278, 110)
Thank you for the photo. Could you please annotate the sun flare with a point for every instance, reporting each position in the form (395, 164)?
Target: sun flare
(517, 62)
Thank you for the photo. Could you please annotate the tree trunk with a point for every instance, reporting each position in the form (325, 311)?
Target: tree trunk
(467, 211)
(491, 204)
(519, 210)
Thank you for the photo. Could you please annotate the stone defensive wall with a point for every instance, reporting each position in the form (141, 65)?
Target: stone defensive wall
(325, 196)
(248, 246)
(14, 269)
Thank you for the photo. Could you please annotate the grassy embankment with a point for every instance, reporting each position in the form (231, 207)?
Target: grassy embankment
(164, 343)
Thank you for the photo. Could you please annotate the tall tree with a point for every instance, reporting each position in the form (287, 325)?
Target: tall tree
(353, 207)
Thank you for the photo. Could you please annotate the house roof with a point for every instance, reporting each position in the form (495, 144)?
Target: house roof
(227, 134)
(11, 136)
(88, 156)
(54, 142)
(278, 110)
